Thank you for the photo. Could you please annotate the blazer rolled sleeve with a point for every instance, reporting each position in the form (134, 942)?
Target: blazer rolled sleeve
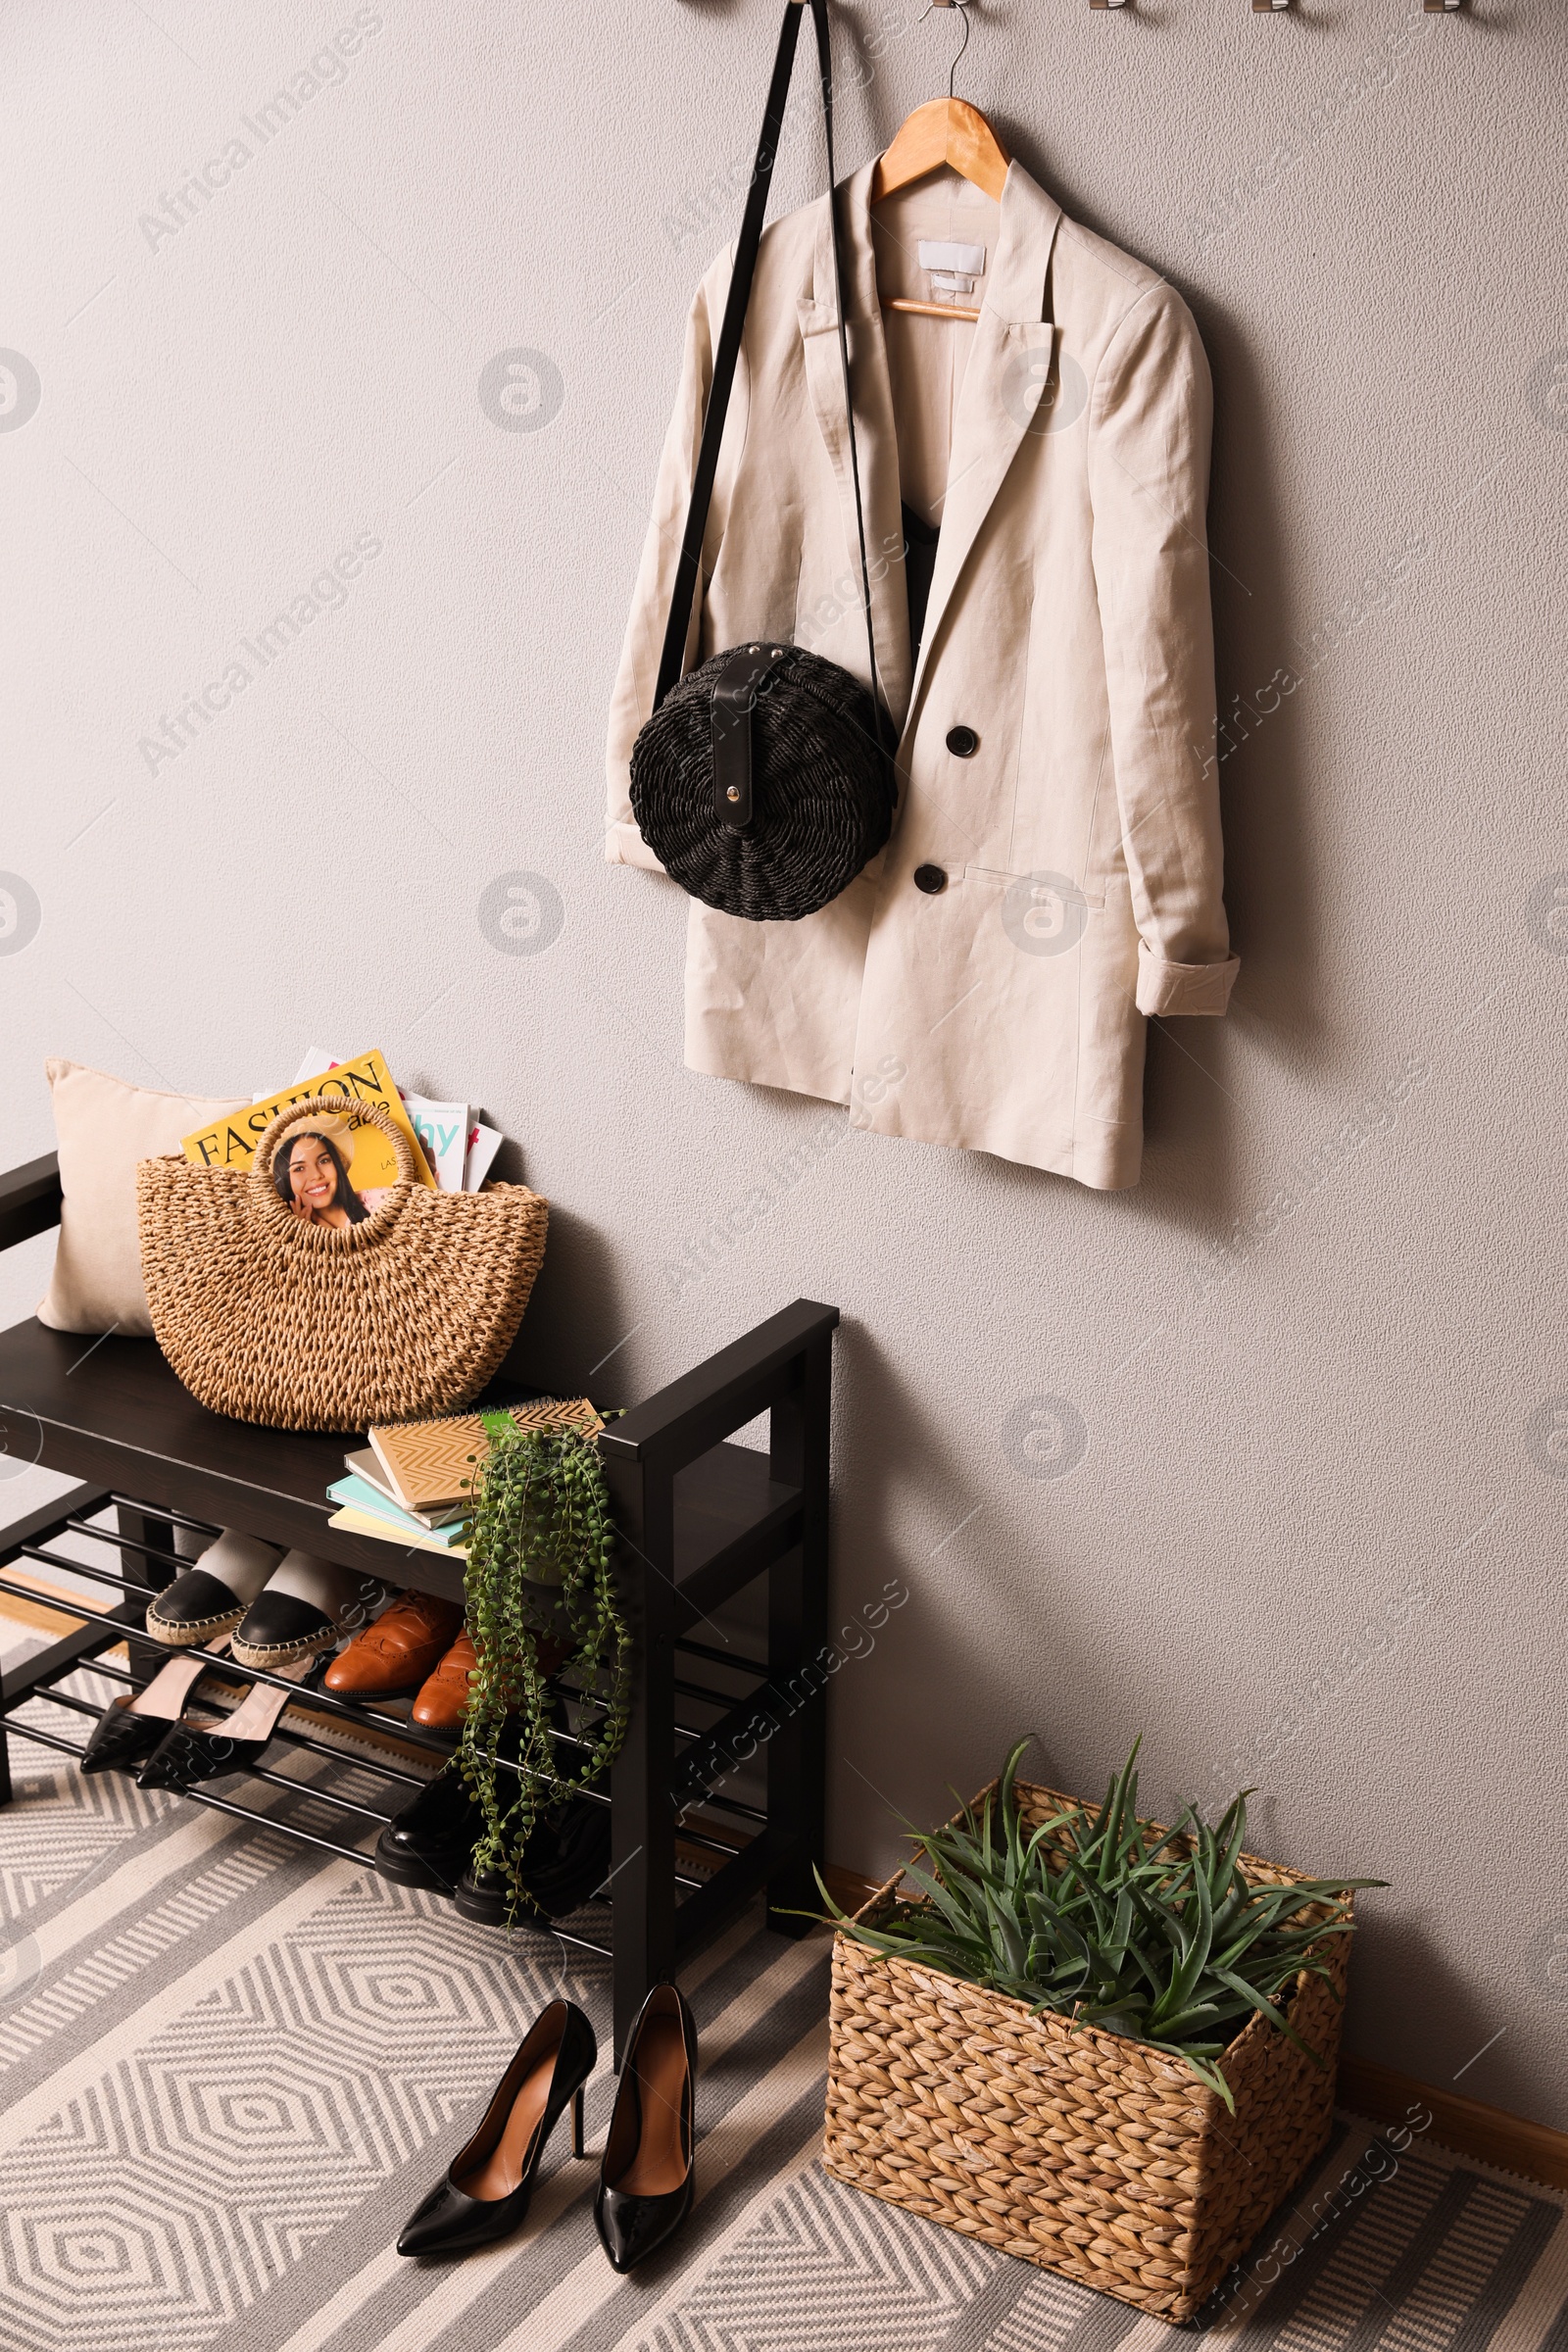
(1151, 419)
(637, 677)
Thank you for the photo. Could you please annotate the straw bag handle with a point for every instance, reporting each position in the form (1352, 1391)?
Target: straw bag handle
(339, 1107)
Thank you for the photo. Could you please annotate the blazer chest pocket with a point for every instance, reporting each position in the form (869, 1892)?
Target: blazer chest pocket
(1043, 913)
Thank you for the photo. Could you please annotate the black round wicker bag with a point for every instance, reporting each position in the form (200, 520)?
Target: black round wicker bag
(821, 787)
(765, 780)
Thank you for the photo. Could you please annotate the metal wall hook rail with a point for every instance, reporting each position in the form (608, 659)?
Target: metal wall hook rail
(1261, 8)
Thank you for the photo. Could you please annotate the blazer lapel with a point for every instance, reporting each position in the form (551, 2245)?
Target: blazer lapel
(875, 430)
(1008, 370)
(1009, 367)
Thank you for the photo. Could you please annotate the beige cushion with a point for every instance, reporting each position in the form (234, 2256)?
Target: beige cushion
(104, 1127)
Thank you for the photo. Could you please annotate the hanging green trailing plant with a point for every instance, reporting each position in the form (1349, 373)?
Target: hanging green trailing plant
(1157, 1935)
(540, 1542)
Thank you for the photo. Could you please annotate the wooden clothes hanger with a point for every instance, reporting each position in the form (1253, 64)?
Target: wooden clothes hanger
(944, 131)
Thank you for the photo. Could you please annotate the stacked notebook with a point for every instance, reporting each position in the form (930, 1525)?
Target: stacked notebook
(414, 1483)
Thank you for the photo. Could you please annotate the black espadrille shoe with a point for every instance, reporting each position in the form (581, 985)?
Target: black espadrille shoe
(306, 1608)
(207, 1601)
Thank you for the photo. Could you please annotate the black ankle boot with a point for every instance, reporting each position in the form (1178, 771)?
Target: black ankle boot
(565, 1863)
(429, 1842)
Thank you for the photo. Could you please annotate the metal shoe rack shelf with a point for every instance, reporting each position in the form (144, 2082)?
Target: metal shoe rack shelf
(699, 1519)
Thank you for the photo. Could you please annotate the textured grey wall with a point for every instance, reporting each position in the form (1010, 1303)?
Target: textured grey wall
(1314, 1537)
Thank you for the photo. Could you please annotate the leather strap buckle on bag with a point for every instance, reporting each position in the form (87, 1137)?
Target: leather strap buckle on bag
(735, 692)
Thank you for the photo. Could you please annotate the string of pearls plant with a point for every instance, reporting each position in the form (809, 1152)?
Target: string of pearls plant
(540, 1546)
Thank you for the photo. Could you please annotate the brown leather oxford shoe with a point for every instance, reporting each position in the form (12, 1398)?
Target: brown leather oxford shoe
(396, 1653)
(443, 1702)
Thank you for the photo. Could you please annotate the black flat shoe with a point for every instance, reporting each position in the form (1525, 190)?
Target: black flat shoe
(121, 1741)
(575, 1863)
(486, 2191)
(187, 1756)
(130, 1729)
(647, 2180)
(189, 1753)
(429, 1843)
(304, 1608)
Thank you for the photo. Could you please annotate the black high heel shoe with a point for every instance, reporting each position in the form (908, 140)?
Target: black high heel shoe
(647, 2180)
(489, 2182)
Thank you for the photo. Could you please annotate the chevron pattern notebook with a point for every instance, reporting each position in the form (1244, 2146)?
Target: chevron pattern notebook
(430, 1464)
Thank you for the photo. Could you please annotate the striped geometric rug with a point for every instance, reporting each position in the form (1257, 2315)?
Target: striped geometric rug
(229, 2069)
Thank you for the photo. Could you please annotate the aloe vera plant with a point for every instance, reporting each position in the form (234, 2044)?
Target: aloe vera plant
(1157, 1935)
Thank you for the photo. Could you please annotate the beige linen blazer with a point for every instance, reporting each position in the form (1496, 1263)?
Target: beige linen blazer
(1068, 859)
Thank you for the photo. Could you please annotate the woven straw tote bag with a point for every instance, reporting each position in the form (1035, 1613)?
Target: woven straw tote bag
(300, 1326)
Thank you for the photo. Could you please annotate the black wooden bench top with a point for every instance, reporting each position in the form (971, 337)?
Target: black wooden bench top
(112, 1412)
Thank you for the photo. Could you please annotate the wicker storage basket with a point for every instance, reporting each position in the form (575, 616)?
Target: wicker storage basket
(300, 1326)
(1084, 2152)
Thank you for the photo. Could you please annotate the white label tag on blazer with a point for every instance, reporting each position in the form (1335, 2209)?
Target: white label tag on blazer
(968, 259)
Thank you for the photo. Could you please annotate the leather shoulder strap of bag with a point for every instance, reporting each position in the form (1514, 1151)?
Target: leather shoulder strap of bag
(689, 570)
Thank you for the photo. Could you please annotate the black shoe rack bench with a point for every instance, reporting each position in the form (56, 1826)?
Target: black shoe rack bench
(699, 1519)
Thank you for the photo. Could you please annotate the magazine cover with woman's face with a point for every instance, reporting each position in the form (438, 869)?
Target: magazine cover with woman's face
(311, 1174)
(346, 1143)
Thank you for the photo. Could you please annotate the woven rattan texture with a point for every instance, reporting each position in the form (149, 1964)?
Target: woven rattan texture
(1080, 2151)
(298, 1326)
(822, 791)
